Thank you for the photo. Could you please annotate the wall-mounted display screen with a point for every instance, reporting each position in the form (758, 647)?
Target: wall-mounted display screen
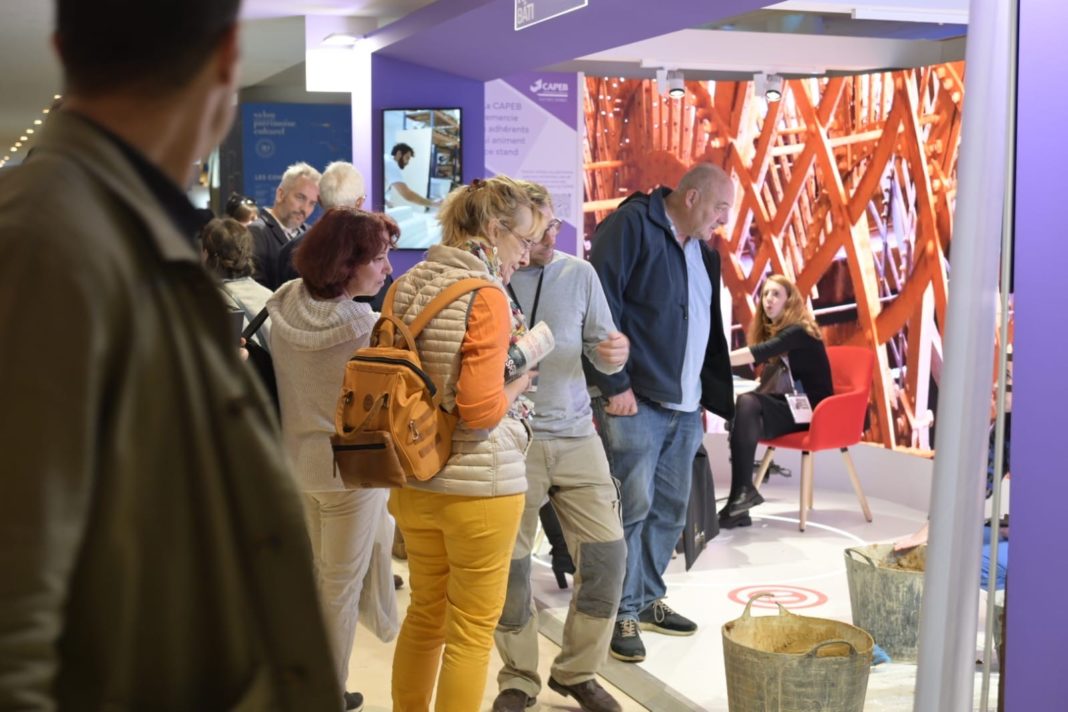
(420, 166)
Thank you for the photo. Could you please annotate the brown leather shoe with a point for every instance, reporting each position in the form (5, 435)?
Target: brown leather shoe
(589, 694)
(512, 700)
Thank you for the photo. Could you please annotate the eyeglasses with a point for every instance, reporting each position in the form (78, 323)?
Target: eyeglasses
(553, 227)
(525, 243)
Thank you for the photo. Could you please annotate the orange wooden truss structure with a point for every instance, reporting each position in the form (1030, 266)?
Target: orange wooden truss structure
(847, 185)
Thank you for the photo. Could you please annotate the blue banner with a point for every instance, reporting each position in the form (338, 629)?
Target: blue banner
(275, 136)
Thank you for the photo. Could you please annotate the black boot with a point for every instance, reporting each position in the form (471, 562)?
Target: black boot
(729, 522)
(742, 502)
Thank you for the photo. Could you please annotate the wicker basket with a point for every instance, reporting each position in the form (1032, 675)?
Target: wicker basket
(885, 593)
(792, 663)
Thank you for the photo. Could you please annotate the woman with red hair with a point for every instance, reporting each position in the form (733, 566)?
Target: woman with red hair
(316, 326)
(784, 337)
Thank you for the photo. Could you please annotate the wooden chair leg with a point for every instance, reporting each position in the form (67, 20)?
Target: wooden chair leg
(811, 480)
(856, 483)
(765, 463)
(806, 486)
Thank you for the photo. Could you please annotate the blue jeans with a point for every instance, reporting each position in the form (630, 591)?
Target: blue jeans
(1003, 560)
(651, 454)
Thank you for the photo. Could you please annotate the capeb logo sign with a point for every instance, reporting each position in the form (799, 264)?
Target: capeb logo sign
(549, 90)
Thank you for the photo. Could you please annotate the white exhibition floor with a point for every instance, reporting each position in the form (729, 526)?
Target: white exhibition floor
(806, 570)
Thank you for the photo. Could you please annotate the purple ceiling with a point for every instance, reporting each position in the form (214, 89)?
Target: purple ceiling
(476, 39)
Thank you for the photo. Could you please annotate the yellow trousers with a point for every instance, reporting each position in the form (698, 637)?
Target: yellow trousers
(459, 550)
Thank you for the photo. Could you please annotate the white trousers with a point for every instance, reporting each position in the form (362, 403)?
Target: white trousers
(342, 527)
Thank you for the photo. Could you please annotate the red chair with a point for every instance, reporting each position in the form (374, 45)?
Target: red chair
(837, 422)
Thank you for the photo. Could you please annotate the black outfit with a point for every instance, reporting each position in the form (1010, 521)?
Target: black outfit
(268, 239)
(284, 270)
(758, 416)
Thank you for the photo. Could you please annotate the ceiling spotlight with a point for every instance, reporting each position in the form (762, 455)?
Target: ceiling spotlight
(770, 85)
(57, 96)
(773, 91)
(17, 144)
(676, 84)
(29, 131)
(37, 122)
(23, 138)
(14, 149)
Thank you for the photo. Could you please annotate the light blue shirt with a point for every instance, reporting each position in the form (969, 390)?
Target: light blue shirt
(698, 327)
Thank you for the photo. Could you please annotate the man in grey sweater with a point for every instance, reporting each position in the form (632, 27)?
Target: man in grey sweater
(567, 463)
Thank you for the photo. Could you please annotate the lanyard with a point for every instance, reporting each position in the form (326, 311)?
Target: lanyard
(537, 298)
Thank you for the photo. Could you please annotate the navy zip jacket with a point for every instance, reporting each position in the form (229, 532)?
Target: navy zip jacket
(643, 271)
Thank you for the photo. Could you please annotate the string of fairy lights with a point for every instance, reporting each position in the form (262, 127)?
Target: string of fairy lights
(22, 144)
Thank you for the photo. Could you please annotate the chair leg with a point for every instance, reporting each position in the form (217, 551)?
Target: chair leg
(806, 486)
(811, 480)
(758, 478)
(856, 483)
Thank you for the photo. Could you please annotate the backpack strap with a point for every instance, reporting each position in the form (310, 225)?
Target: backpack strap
(447, 297)
(387, 302)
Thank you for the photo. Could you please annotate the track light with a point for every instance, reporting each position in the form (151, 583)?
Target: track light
(770, 85)
(676, 84)
(773, 91)
(670, 83)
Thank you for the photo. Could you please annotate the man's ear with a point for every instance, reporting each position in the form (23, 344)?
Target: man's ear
(279, 195)
(692, 197)
(359, 201)
(227, 56)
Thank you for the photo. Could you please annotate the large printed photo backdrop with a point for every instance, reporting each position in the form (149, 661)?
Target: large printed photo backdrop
(847, 185)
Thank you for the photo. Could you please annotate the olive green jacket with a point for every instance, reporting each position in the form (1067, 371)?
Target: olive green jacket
(152, 548)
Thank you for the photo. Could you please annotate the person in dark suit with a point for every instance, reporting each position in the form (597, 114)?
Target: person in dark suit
(341, 186)
(294, 200)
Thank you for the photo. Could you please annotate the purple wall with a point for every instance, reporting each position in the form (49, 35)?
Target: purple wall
(396, 85)
(1038, 576)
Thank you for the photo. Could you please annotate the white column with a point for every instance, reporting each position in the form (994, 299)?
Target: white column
(946, 674)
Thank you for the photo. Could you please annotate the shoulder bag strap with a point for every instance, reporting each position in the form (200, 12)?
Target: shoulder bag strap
(789, 374)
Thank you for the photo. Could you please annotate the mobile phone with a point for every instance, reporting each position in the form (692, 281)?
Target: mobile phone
(237, 322)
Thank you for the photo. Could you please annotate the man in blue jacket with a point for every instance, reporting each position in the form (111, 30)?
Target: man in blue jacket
(662, 284)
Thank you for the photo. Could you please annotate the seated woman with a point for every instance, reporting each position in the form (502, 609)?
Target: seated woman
(784, 338)
(226, 251)
(460, 526)
(316, 328)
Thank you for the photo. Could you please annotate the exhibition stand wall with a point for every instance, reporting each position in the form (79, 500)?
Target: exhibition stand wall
(444, 56)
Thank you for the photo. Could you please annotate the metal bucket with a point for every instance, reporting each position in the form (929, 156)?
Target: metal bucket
(792, 663)
(885, 593)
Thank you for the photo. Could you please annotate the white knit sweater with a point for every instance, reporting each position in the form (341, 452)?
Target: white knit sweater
(311, 340)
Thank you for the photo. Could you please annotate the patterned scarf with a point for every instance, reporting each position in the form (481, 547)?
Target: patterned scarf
(523, 407)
